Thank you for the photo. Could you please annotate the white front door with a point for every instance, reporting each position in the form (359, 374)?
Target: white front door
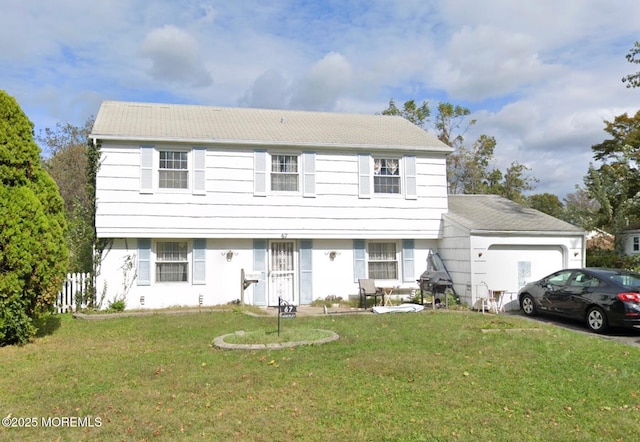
(282, 271)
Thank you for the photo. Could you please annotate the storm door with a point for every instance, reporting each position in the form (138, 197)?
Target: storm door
(282, 271)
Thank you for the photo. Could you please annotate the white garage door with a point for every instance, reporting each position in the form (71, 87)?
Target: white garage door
(511, 266)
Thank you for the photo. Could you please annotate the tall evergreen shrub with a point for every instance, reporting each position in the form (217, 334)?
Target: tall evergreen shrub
(33, 254)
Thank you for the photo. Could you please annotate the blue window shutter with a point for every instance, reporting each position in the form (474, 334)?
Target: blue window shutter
(144, 261)
(199, 261)
(308, 174)
(199, 168)
(260, 173)
(260, 265)
(364, 176)
(146, 169)
(359, 260)
(306, 267)
(410, 179)
(408, 260)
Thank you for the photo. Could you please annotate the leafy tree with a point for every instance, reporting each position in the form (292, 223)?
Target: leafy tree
(515, 182)
(633, 80)
(615, 185)
(451, 124)
(619, 206)
(33, 255)
(468, 169)
(418, 115)
(68, 165)
(547, 203)
(580, 209)
(67, 160)
(624, 144)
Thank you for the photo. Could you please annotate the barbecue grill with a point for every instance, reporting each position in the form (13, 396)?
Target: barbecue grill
(436, 283)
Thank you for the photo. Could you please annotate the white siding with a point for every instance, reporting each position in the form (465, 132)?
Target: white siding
(222, 284)
(229, 208)
(454, 251)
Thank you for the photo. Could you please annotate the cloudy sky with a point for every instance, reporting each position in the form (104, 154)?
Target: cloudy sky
(541, 76)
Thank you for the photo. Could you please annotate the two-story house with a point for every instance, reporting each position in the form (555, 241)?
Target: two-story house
(191, 198)
(305, 202)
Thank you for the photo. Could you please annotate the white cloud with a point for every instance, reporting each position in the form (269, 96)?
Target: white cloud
(325, 82)
(482, 62)
(175, 57)
(270, 91)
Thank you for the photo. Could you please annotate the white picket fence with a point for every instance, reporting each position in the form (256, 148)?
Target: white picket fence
(74, 291)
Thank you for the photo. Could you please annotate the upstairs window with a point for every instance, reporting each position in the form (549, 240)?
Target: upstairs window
(386, 175)
(172, 261)
(284, 173)
(173, 170)
(383, 260)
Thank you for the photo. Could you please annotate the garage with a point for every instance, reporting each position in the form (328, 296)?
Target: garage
(488, 239)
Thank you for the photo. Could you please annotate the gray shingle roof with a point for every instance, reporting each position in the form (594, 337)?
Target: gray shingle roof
(205, 124)
(497, 214)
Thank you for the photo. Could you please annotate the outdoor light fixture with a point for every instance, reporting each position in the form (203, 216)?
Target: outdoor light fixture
(229, 255)
(332, 254)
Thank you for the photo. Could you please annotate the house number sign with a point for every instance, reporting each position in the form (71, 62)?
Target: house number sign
(289, 310)
(285, 310)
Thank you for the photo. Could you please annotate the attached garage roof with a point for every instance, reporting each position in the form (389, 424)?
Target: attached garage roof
(493, 213)
(152, 122)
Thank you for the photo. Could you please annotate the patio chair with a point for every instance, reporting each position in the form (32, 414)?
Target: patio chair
(486, 297)
(368, 288)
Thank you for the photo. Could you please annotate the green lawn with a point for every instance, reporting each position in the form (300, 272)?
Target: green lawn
(410, 376)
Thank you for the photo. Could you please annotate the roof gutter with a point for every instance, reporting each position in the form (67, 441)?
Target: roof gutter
(479, 232)
(262, 143)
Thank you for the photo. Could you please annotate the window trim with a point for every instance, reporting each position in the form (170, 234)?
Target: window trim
(396, 260)
(298, 173)
(189, 170)
(188, 261)
(400, 177)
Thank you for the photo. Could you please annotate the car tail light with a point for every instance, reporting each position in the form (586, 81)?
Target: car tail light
(629, 297)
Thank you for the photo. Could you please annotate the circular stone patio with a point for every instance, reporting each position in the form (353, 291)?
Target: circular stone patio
(219, 342)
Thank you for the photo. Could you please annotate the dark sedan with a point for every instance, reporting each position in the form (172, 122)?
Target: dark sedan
(602, 298)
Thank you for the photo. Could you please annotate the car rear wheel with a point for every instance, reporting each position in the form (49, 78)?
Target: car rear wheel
(597, 320)
(527, 305)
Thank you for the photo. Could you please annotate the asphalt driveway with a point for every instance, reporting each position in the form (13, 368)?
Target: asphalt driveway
(625, 336)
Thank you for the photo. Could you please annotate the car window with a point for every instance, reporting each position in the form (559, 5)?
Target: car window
(629, 280)
(581, 279)
(594, 282)
(559, 278)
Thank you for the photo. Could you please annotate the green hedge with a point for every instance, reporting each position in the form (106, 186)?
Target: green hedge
(609, 258)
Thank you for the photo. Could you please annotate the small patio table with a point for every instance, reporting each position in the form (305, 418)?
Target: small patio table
(386, 295)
